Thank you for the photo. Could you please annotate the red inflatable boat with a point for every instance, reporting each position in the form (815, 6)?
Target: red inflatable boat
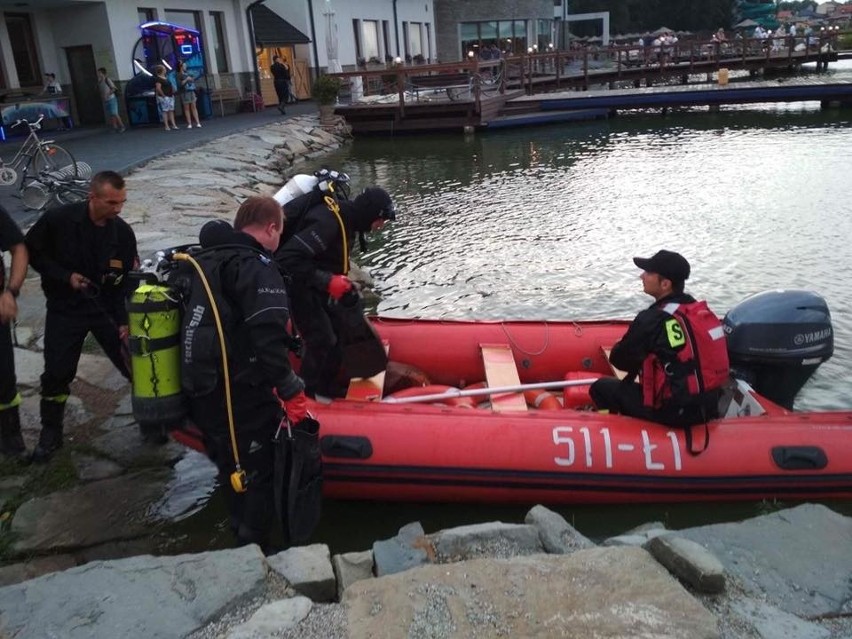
(432, 428)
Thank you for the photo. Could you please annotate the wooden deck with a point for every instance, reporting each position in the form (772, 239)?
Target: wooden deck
(553, 87)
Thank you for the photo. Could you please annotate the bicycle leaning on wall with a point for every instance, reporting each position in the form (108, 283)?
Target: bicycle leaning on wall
(35, 158)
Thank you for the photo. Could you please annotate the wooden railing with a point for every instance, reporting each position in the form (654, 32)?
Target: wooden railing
(474, 78)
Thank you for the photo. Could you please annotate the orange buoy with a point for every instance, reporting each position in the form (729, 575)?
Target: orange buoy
(578, 396)
(542, 399)
(435, 389)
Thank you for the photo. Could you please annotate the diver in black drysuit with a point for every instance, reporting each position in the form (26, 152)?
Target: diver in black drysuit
(315, 259)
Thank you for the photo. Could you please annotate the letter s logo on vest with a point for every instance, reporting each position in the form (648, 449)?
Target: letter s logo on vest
(674, 332)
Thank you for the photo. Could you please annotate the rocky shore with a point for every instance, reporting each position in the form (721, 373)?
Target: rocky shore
(782, 575)
(75, 536)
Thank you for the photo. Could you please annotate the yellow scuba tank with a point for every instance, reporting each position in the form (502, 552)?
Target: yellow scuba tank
(154, 315)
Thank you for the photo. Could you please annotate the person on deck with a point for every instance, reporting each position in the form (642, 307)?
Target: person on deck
(677, 348)
(252, 303)
(316, 259)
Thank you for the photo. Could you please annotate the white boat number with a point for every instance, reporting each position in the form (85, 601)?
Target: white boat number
(654, 459)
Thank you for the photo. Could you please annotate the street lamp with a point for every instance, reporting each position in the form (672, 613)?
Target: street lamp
(470, 54)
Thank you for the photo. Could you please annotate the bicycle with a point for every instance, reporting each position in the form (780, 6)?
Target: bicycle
(57, 187)
(40, 155)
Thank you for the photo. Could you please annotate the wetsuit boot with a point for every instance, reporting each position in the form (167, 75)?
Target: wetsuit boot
(11, 442)
(50, 438)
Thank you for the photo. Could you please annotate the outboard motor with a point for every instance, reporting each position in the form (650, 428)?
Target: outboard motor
(777, 339)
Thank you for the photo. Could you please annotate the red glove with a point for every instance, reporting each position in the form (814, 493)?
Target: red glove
(296, 407)
(338, 286)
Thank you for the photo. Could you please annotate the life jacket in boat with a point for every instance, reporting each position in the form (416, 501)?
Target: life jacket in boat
(693, 365)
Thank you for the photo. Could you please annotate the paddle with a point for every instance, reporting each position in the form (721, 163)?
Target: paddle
(474, 392)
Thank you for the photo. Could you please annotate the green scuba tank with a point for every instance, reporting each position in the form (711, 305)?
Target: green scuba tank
(154, 314)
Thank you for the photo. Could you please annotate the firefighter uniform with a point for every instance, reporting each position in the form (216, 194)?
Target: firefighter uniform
(65, 241)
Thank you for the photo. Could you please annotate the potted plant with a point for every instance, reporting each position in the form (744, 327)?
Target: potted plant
(325, 91)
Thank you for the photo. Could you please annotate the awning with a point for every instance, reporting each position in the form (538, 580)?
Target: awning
(270, 29)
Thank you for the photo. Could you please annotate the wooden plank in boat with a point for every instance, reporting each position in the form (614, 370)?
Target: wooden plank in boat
(367, 389)
(500, 370)
(620, 374)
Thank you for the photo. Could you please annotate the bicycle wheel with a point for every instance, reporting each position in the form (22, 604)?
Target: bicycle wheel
(34, 196)
(69, 194)
(52, 158)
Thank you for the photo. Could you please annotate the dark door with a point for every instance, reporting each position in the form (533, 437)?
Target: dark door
(84, 85)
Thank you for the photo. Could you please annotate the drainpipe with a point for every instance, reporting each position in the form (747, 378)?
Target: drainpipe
(314, 38)
(396, 28)
(250, 21)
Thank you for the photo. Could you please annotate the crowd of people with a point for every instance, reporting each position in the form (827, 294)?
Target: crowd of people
(255, 276)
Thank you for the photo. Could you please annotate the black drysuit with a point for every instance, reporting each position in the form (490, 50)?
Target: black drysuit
(253, 307)
(309, 258)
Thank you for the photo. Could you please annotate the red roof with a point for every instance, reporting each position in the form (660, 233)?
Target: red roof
(784, 15)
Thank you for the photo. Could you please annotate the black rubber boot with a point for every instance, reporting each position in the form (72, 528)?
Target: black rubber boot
(11, 442)
(50, 438)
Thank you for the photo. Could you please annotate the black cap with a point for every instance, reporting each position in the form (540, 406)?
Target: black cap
(215, 233)
(671, 265)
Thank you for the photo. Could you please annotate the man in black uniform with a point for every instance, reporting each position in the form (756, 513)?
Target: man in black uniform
(11, 239)
(252, 304)
(83, 252)
(662, 346)
(281, 81)
(316, 259)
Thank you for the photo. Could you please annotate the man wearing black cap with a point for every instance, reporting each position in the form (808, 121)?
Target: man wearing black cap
(316, 260)
(676, 347)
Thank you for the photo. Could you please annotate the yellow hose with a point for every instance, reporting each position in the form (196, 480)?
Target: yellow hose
(238, 479)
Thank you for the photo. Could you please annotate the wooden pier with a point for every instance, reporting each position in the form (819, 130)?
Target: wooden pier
(554, 86)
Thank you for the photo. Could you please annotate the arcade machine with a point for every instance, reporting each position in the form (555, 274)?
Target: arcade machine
(166, 44)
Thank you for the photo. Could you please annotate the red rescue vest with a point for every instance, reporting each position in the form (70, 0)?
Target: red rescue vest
(695, 363)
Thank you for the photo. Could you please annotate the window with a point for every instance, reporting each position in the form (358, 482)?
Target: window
(23, 49)
(356, 29)
(370, 40)
(510, 36)
(183, 18)
(386, 39)
(146, 15)
(414, 45)
(216, 42)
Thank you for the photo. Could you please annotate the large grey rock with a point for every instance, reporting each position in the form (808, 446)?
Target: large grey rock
(350, 567)
(492, 539)
(771, 623)
(689, 561)
(406, 550)
(29, 365)
(271, 619)
(98, 371)
(90, 514)
(123, 443)
(36, 567)
(308, 569)
(151, 597)
(599, 592)
(557, 535)
(797, 559)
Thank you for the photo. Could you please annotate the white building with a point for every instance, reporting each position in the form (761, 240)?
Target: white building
(72, 38)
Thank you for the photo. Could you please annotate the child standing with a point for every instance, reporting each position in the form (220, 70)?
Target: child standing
(165, 97)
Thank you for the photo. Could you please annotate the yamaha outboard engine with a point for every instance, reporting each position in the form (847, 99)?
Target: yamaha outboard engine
(777, 339)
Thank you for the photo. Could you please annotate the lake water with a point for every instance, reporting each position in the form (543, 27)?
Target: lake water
(543, 223)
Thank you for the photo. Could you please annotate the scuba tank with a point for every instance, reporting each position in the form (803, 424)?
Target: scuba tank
(154, 314)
